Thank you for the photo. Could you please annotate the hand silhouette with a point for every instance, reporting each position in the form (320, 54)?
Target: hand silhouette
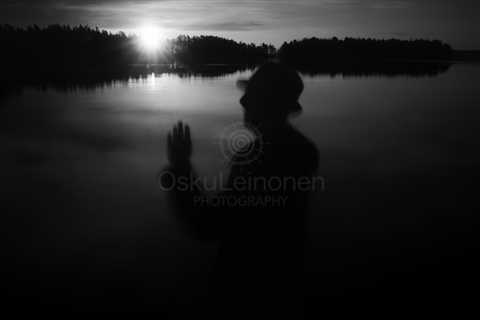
(179, 145)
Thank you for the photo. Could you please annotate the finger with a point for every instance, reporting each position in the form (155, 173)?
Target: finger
(169, 140)
(180, 131)
(187, 133)
(188, 138)
(175, 134)
(169, 146)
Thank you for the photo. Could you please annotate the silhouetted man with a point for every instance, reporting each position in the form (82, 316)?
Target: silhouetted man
(259, 221)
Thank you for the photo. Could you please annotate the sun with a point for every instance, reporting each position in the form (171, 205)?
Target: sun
(150, 38)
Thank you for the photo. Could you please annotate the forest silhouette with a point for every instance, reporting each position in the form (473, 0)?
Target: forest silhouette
(60, 49)
(367, 56)
(62, 53)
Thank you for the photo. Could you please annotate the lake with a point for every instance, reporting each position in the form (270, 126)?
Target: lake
(399, 156)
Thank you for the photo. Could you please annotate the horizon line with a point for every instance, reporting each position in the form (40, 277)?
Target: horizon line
(132, 34)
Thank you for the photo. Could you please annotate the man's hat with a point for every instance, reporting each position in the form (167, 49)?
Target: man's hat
(276, 86)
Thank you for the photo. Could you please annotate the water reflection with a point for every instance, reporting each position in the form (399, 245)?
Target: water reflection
(397, 69)
(145, 74)
(79, 162)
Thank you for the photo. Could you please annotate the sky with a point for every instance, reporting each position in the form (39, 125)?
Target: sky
(272, 21)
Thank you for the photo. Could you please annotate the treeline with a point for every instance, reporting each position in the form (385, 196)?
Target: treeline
(349, 52)
(215, 50)
(60, 52)
(63, 48)
(81, 49)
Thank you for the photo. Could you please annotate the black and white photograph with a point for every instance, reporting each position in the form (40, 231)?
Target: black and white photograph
(250, 159)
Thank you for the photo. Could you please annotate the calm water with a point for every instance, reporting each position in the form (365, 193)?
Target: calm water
(78, 166)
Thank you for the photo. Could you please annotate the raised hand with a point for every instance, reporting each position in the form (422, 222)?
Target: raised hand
(179, 145)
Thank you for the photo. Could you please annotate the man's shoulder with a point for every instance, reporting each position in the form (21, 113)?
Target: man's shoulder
(300, 151)
(309, 153)
(303, 144)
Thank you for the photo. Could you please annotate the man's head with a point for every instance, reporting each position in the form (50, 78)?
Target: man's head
(271, 94)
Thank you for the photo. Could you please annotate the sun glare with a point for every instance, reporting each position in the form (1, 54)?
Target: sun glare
(150, 38)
